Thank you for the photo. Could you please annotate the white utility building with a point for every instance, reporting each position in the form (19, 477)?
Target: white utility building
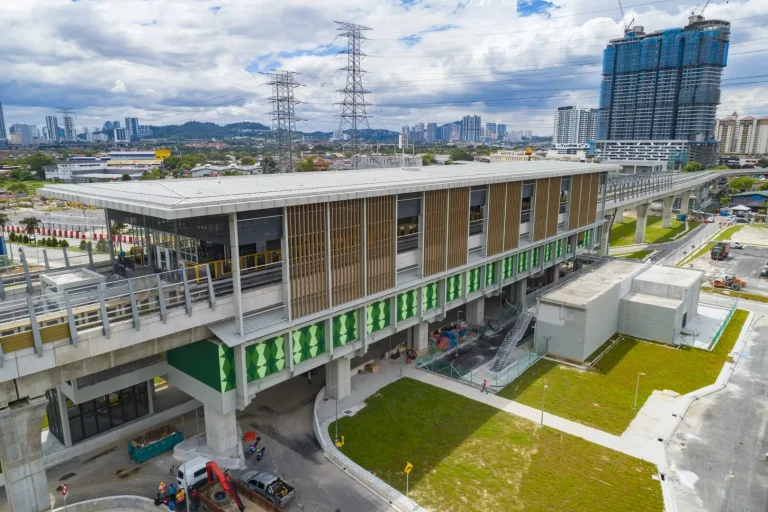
(653, 303)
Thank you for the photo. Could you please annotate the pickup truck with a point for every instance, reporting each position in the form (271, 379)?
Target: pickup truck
(271, 486)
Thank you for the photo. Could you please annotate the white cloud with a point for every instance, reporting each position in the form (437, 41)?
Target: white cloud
(172, 61)
(119, 87)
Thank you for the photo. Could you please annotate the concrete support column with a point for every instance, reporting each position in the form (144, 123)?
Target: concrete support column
(666, 211)
(685, 198)
(150, 396)
(339, 379)
(520, 291)
(21, 454)
(642, 220)
(620, 215)
(418, 336)
(221, 432)
(234, 246)
(556, 273)
(476, 311)
(605, 241)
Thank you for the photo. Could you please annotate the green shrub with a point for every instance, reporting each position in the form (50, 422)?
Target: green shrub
(63, 243)
(83, 245)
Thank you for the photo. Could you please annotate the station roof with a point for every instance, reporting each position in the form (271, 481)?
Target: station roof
(184, 198)
(587, 287)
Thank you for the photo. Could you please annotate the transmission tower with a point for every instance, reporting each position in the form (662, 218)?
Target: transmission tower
(283, 115)
(353, 114)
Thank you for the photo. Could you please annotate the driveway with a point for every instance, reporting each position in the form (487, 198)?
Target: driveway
(718, 454)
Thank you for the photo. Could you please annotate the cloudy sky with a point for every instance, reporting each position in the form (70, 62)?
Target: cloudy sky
(172, 61)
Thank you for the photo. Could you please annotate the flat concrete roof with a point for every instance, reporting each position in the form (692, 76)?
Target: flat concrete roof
(72, 278)
(671, 275)
(653, 300)
(582, 290)
(184, 198)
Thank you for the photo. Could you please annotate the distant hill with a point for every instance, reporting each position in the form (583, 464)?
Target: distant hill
(197, 130)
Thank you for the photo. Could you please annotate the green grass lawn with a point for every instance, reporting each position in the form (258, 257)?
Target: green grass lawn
(696, 254)
(624, 233)
(727, 233)
(742, 295)
(604, 398)
(468, 456)
(636, 255)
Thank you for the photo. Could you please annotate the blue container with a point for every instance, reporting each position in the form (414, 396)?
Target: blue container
(681, 217)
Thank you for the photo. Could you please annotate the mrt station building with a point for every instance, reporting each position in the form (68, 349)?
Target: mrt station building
(236, 284)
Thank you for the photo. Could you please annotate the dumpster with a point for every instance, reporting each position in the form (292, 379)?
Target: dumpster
(153, 443)
(681, 217)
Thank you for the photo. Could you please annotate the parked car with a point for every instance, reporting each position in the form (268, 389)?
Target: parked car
(736, 245)
(709, 219)
(272, 487)
(741, 221)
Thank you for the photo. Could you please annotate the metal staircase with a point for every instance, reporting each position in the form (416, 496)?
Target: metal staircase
(511, 340)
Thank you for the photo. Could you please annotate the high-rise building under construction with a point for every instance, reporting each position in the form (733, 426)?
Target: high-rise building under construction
(664, 85)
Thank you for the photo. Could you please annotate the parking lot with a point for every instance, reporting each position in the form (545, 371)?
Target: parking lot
(745, 263)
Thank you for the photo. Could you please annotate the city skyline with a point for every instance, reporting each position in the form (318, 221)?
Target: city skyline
(418, 61)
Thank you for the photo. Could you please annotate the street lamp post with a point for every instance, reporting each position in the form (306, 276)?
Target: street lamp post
(637, 388)
(544, 389)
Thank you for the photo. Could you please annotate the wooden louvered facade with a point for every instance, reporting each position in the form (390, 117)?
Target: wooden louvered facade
(458, 227)
(380, 237)
(512, 217)
(593, 198)
(540, 209)
(307, 242)
(586, 186)
(496, 208)
(435, 214)
(346, 250)
(575, 202)
(553, 208)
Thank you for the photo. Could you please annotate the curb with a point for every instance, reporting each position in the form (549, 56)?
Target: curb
(393, 497)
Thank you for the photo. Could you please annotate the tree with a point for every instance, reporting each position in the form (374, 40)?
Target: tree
(692, 167)
(764, 186)
(118, 227)
(268, 164)
(35, 163)
(763, 162)
(724, 201)
(247, 160)
(231, 173)
(305, 165)
(718, 168)
(741, 183)
(4, 220)
(461, 154)
(125, 177)
(31, 224)
(17, 187)
(428, 159)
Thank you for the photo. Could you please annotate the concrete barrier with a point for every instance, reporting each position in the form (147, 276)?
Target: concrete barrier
(125, 503)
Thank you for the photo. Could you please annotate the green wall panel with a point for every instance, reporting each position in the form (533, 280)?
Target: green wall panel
(344, 328)
(522, 262)
(265, 358)
(548, 252)
(490, 274)
(507, 268)
(377, 316)
(430, 297)
(406, 304)
(209, 362)
(473, 280)
(308, 342)
(535, 257)
(559, 248)
(453, 289)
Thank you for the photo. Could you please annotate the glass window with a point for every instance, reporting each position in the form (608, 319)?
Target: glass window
(548, 252)
(565, 191)
(535, 257)
(527, 202)
(559, 248)
(476, 219)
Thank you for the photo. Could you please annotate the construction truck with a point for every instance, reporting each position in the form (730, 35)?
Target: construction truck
(720, 251)
(730, 281)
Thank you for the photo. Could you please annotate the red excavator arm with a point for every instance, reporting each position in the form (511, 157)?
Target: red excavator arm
(213, 470)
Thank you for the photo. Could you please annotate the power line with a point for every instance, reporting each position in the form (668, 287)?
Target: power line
(353, 112)
(284, 115)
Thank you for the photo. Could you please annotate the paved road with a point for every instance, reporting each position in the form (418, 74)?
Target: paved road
(282, 416)
(721, 445)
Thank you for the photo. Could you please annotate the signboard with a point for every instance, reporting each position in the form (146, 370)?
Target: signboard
(64, 490)
(408, 468)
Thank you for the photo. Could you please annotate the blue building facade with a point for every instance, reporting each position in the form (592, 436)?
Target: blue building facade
(664, 85)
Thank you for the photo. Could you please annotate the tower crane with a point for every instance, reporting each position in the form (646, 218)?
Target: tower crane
(627, 26)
